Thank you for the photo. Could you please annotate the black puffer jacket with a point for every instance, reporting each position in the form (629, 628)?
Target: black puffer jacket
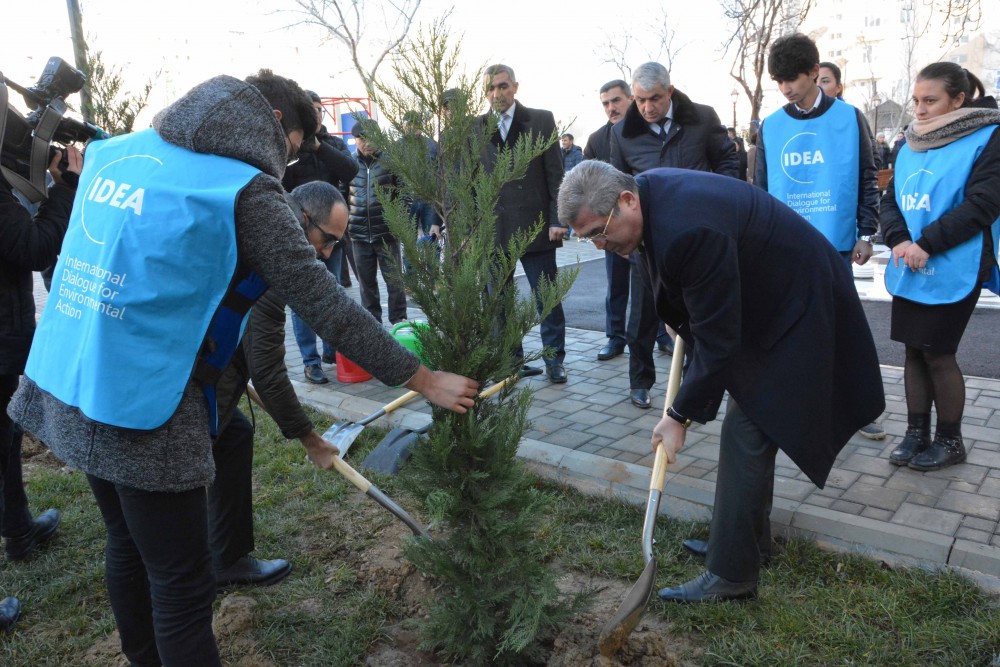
(366, 222)
(331, 162)
(26, 245)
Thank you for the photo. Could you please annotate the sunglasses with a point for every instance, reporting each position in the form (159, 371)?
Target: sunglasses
(601, 235)
(329, 240)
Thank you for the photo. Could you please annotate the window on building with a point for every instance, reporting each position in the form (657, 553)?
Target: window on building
(960, 58)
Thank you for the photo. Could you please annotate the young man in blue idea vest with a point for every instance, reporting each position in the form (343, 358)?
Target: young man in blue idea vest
(816, 157)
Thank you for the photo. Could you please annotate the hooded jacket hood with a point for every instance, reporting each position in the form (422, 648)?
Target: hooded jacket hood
(228, 117)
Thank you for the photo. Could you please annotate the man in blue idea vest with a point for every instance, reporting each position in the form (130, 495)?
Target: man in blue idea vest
(816, 157)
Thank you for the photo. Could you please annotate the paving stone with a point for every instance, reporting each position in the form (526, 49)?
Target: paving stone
(589, 417)
(613, 431)
(847, 508)
(983, 507)
(976, 523)
(704, 450)
(871, 465)
(928, 518)
(874, 496)
(974, 474)
(601, 441)
(792, 489)
(978, 536)
(922, 545)
(876, 514)
(828, 492)
(977, 557)
(820, 501)
(871, 480)
(841, 479)
(921, 499)
(567, 438)
(980, 456)
(991, 487)
(589, 447)
(550, 424)
(912, 481)
(959, 485)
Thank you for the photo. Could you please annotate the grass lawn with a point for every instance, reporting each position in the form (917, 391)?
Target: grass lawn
(814, 608)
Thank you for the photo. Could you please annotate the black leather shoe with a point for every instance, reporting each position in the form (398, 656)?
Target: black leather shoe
(250, 571)
(640, 398)
(943, 452)
(556, 373)
(666, 347)
(316, 375)
(10, 609)
(697, 548)
(529, 371)
(708, 587)
(914, 442)
(43, 527)
(610, 351)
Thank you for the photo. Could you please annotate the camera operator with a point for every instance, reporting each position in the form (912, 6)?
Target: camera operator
(26, 245)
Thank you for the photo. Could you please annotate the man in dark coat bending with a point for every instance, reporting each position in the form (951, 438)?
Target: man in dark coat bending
(771, 314)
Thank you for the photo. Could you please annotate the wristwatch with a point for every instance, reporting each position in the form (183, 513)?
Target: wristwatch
(683, 421)
(867, 239)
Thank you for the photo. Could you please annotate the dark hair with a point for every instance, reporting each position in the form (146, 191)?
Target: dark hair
(790, 56)
(313, 96)
(567, 134)
(617, 83)
(731, 129)
(833, 68)
(297, 112)
(317, 199)
(956, 80)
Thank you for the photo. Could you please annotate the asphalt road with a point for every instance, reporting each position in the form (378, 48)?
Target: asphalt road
(978, 355)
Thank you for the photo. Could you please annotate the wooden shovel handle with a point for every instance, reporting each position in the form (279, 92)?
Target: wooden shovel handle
(352, 475)
(401, 401)
(658, 477)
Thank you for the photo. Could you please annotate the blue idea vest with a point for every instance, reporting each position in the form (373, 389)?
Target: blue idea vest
(812, 166)
(149, 257)
(928, 185)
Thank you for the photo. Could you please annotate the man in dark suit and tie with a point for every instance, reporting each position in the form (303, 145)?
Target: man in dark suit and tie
(523, 201)
(616, 96)
(662, 128)
(792, 347)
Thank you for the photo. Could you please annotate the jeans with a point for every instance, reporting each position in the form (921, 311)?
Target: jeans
(553, 328)
(15, 518)
(159, 574)
(369, 258)
(304, 336)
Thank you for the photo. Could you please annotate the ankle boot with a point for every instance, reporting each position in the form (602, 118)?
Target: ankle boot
(943, 452)
(916, 440)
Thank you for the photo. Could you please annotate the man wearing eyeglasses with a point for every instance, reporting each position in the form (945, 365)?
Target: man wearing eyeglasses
(791, 346)
(322, 213)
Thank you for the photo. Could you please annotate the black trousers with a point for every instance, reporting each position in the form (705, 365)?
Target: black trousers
(740, 533)
(159, 574)
(230, 498)
(15, 518)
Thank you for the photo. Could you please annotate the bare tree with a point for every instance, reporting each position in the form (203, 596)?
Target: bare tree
(345, 21)
(956, 17)
(617, 51)
(755, 24)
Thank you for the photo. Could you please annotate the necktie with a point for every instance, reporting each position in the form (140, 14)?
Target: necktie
(502, 126)
(663, 128)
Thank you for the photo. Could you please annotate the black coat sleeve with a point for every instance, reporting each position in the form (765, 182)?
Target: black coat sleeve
(706, 265)
(33, 244)
(868, 193)
(760, 164)
(977, 212)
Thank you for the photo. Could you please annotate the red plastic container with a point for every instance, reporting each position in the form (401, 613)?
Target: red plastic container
(348, 371)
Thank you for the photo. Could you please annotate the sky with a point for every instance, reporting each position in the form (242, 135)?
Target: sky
(557, 55)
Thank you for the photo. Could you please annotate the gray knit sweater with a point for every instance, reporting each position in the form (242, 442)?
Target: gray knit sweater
(227, 117)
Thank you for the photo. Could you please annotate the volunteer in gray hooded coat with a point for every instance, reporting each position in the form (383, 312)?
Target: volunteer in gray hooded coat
(149, 479)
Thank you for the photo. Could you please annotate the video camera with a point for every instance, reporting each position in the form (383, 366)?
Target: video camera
(25, 152)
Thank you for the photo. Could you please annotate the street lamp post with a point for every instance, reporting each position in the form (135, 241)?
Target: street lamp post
(877, 101)
(736, 96)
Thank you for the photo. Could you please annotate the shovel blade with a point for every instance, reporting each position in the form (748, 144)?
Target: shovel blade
(394, 450)
(616, 632)
(343, 435)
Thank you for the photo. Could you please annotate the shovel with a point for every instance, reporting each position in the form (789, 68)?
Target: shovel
(616, 632)
(343, 434)
(358, 480)
(394, 449)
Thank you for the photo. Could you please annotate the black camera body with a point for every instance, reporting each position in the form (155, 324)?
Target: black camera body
(26, 149)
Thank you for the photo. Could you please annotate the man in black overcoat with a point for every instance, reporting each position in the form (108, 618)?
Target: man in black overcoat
(771, 315)
(523, 201)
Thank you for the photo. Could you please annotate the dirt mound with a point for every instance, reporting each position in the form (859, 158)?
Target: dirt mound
(34, 454)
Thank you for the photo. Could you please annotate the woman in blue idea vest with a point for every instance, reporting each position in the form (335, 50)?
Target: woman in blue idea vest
(939, 216)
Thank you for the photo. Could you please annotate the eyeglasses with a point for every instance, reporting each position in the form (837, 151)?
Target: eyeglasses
(329, 240)
(601, 235)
